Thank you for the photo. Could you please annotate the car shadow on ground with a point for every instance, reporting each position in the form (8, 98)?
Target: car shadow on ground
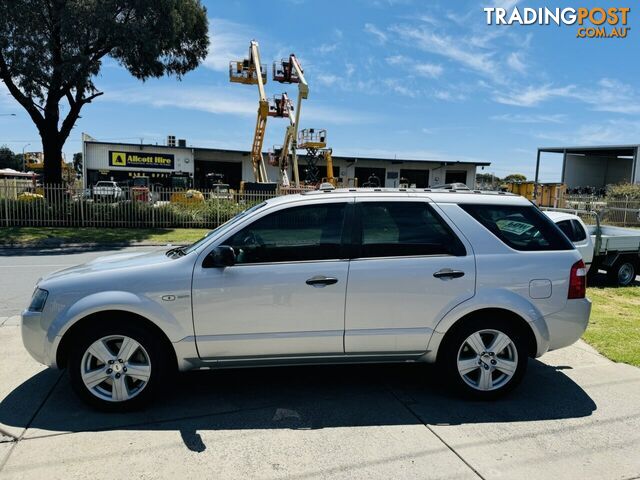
(309, 397)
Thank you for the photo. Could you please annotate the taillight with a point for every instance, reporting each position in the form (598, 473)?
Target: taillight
(578, 281)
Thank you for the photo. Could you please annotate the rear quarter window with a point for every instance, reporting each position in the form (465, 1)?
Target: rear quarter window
(520, 227)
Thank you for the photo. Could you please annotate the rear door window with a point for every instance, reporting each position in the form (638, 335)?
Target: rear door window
(520, 227)
(391, 229)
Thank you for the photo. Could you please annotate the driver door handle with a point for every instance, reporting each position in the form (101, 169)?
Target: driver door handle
(448, 273)
(321, 281)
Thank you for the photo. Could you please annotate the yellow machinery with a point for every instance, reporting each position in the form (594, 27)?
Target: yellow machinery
(290, 71)
(250, 72)
(330, 178)
(547, 194)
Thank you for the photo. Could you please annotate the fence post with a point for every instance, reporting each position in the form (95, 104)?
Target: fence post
(6, 202)
(626, 207)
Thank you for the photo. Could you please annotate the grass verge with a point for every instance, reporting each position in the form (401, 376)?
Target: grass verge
(614, 327)
(48, 236)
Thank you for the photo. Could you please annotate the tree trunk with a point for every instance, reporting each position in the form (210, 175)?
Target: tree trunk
(52, 149)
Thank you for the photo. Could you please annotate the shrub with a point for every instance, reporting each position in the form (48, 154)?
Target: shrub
(624, 191)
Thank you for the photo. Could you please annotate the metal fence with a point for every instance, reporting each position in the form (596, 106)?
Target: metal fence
(623, 212)
(22, 204)
(131, 207)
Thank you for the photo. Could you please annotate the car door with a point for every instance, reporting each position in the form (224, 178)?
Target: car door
(285, 294)
(411, 267)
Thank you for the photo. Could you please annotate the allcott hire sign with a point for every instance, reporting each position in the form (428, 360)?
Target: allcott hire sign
(141, 160)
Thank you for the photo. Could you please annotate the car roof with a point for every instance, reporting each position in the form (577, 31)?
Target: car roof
(435, 195)
(559, 216)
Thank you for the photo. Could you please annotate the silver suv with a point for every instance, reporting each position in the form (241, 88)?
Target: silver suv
(477, 282)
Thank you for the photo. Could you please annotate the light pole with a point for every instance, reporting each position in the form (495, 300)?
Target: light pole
(24, 163)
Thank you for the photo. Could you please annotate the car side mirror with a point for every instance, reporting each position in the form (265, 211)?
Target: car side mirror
(220, 257)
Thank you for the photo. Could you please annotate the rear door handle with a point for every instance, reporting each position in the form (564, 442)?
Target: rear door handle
(321, 281)
(448, 273)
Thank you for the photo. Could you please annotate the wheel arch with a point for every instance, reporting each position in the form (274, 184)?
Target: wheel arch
(62, 352)
(493, 312)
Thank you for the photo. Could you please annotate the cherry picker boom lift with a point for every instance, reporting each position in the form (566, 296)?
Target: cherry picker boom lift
(290, 71)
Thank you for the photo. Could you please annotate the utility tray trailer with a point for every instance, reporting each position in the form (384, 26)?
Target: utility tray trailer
(615, 249)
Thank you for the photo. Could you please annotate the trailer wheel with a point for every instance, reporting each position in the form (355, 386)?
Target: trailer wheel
(623, 272)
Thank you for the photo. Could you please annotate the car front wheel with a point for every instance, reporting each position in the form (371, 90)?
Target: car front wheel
(484, 360)
(116, 367)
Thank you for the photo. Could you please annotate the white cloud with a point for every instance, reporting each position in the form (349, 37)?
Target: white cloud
(449, 47)
(613, 96)
(398, 87)
(533, 95)
(605, 132)
(398, 60)
(220, 101)
(229, 41)
(214, 100)
(515, 62)
(350, 69)
(609, 95)
(429, 70)
(520, 118)
(327, 79)
(327, 48)
(506, 4)
(376, 32)
(449, 96)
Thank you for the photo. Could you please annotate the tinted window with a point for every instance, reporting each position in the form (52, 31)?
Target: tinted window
(520, 227)
(580, 234)
(567, 229)
(311, 232)
(404, 228)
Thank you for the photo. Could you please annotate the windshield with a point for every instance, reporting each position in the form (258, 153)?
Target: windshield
(225, 225)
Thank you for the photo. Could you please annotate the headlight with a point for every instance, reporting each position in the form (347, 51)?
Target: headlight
(38, 300)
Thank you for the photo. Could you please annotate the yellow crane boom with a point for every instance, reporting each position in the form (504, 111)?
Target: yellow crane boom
(250, 71)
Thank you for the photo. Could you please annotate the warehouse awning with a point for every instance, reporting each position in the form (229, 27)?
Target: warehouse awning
(609, 151)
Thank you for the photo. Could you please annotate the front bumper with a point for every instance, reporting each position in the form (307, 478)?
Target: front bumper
(567, 326)
(34, 337)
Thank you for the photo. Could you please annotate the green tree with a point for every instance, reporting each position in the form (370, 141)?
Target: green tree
(8, 159)
(52, 50)
(515, 177)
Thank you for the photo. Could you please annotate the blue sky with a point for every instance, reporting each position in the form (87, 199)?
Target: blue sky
(411, 79)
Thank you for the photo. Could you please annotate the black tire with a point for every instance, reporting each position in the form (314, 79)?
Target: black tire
(152, 347)
(454, 342)
(622, 273)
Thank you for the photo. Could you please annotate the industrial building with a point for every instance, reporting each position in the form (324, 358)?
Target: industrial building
(178, 165)
(595, 167)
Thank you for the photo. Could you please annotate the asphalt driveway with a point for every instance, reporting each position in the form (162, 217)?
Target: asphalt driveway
(577, 415)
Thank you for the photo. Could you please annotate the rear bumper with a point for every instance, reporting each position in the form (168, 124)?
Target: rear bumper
(567, 326)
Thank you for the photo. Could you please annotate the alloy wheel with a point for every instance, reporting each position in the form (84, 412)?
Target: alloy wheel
(487, 360)
(115, 368)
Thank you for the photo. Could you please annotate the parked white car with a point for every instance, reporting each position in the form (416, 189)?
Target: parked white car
(476, 282)
(576, 231)
(107, 190)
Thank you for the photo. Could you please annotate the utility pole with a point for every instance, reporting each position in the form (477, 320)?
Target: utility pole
(24, 162)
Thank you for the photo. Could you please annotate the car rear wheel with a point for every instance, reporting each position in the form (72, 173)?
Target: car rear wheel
(116, 367)
(484, 359)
